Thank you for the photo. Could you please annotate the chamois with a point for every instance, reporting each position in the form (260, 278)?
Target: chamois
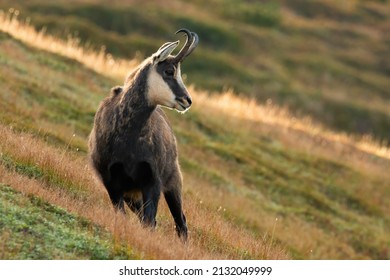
(132, 146)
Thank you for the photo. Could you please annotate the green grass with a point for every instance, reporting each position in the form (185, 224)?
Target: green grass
(31, 228)
(64, 99)
(290, 184)
(47, 176)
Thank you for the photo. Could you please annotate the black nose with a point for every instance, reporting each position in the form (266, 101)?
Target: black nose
(185, 101)
(189, 100)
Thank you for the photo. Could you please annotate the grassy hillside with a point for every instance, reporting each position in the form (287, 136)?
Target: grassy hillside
(323, 58)
(48, 106)
(275, 186)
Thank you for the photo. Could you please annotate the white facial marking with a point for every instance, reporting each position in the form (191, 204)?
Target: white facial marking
(159, 92)
(178, 76)
(181, 83)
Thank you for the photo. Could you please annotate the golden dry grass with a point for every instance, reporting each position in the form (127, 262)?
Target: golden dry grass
(98, 61)
(298, 134)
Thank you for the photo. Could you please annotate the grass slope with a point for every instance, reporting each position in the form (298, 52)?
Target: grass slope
(327, 59)
(271, 191)
(34, 229)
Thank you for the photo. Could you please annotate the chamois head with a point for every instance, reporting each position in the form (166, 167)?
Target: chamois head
(165, 85)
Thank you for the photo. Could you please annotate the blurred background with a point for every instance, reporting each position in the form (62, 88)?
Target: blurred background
(327, 59)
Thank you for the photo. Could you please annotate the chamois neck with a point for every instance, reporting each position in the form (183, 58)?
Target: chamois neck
(134, 109)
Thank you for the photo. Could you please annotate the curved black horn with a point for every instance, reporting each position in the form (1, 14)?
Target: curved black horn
(195, 42)
(182, 54)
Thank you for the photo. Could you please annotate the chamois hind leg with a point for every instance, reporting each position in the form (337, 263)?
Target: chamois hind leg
(135, 205)
(150, 196)
(150, 188)
(116, 196)
(173, 197)
(115, 187)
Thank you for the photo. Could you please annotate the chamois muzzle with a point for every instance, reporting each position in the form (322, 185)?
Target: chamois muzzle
(189, 46)
(184, 102)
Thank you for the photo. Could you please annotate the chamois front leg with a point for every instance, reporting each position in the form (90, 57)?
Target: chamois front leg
(175, 206)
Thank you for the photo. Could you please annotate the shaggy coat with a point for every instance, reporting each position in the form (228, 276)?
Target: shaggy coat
(132, 146)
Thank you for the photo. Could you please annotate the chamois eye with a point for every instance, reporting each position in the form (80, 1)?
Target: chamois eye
(169, 72)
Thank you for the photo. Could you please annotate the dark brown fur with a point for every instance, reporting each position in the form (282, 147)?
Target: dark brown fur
(132, 146)
(133, 150)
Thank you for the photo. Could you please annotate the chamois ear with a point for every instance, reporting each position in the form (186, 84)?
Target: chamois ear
(164, 51)
(116, 90)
